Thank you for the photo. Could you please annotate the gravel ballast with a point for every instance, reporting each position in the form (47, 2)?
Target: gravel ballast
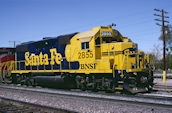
(80, 104)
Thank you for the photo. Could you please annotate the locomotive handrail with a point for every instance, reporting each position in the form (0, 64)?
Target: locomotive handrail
(125, 60)
(30, 67)
(140, 62)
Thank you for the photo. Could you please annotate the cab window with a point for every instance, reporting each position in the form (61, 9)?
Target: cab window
(108, 39)
(97, 41)
(85, 45)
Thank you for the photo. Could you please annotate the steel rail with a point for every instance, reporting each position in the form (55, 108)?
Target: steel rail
(153, 99)
(30, 106)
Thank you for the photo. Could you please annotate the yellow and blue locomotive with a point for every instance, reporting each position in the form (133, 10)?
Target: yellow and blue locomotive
(99, 59)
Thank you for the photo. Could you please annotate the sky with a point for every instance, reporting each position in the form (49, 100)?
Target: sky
(31, 20)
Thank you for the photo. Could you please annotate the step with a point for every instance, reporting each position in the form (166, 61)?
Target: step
(132, 78)
(118, 88)
(120, 82)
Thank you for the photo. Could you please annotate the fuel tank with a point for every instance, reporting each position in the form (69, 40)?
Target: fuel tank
(55, 82)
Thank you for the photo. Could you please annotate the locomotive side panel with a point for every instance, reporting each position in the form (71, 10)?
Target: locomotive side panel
(47, 54)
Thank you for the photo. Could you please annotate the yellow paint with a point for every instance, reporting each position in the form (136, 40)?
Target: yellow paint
(138, 70)
(117, 88)
(55, 56)
(131, 77)
(120, 82)
(164, 77)
(42, 59)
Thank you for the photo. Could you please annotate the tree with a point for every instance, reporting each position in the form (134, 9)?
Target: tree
(168, 38)
(169, 61)
(156, 56)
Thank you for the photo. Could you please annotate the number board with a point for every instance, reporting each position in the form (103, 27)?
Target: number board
(106, 33)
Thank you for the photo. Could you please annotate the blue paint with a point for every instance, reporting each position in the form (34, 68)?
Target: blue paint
(44, 46)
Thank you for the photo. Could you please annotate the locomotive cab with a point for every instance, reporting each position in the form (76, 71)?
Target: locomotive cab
(129, 65)
(105, 51)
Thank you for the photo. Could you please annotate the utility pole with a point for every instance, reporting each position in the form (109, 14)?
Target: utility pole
(163, 36)
(14, 43)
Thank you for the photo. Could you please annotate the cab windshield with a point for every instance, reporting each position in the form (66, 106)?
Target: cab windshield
(108, 39)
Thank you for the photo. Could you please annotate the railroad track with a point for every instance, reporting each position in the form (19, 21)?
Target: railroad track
(8, 105)
(160, 75)
(146, 98)
(163, 88)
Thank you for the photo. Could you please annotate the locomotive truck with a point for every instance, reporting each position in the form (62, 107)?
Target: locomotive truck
(99, 59)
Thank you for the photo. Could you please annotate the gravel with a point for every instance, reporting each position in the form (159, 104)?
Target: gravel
(80, 104)
(16, 107)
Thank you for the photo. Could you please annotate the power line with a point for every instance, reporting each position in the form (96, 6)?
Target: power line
(136, 23)
(145, 33)
(105, 20)
(163, 17)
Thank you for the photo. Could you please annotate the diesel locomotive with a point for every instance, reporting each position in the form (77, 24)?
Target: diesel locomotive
(99, 59)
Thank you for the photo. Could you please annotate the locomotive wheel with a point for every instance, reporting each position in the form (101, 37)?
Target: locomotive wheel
(150, 88)
(83, 87)
(94, 87)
